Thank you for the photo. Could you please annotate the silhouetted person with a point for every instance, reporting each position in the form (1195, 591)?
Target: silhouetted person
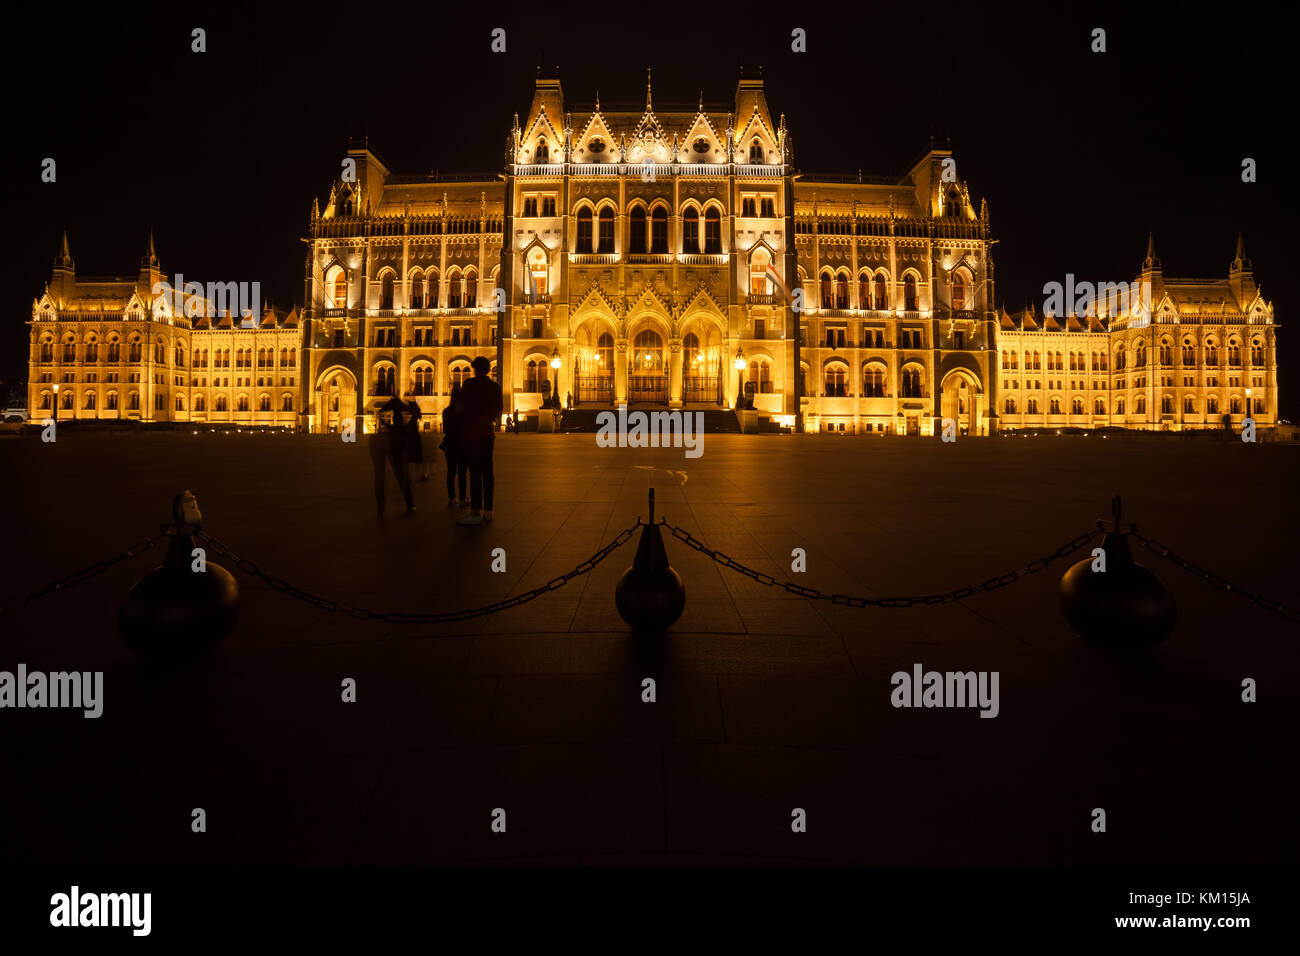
(452, 448)
(393, 414)
(481, 400)
(568, 400)
(415, 441)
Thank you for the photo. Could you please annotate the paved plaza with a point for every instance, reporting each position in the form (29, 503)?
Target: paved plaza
(766, 701)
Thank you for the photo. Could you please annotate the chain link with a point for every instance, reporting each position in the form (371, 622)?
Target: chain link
(99, 567)
(943, 597)
(1214, 580)
(396, 617)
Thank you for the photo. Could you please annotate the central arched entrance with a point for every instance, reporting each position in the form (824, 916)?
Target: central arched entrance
(960, 402)
(338, 399)
(647, 376)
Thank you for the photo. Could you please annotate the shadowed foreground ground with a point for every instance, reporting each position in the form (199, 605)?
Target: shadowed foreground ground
(766, 701)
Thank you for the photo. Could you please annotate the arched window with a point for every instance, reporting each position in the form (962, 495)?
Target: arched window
(1211, 354)
(386, 291)
(606, 231)
(114, 351)
(756, 152)
(69, 352)
(712, 232)
(1189, 405)
(879, 283)
(340, 290)
(1166, 354)
(286, 402)
(1212, 405)
(264, 403)
(1257, 354)
(828, 290)
(958, 292)
(1099, 406)
(431, 290)
(836, 381)
(90, 401)
(584, 231)
(221, 403)
(1166, 405)
(417, 290)
(758, 283)
(454, 291)
(243, 403)
(92, 352)
(1140, 405)
(538, 272)
(384, 380)
(1054, 406)
(1076, 406)
(471, 289)
(691, 231)
(864, 290)
(133, 402)
(423, 380)
(842, 291)
(873, 382)
(460, 373)
(953, 205)
(659, 231)
(536, 372)
(909, 293)
(543, 154)
(133, 352)
(912, 383)
(200, 403)
(1010, 406)
(1038, 361)
(1234, 354)
(636, 231)
(605, 353)
(1140, 354)
(648, 351)
(1031, 406)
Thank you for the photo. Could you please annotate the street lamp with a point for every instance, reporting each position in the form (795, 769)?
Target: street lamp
(740, 367)
(555, 364)
(1250, 408)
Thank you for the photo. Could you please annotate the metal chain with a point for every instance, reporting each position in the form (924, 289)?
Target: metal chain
(992, 584)
(72, 580)
(395, 617)
(1214, 580)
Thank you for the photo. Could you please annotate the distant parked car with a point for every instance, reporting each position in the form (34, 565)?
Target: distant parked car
(15, 415)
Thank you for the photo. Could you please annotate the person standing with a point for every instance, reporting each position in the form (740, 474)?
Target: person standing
(481, 400)
(453, 448)
(414, 441)
(393, 414)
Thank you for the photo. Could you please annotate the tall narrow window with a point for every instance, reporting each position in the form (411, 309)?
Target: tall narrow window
(756, 152)
(636, 231)
(471, 289)
(543, 154)
(880, 293)
(340, 290)
(386, 292)
(584, 231)
(659, 231)
(691, 231)
(712, 232)
(909, 293)
(606, 231)
(958, 293)
(417, 291)
(828, 291)
(842, 291)
(431, 290)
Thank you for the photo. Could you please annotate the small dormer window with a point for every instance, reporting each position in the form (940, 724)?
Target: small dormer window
(543, 154)
(701, 145)
(756, 152)
(954, 203)
(597, 146)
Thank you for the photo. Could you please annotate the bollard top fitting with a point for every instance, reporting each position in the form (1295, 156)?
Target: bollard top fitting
(185, 509)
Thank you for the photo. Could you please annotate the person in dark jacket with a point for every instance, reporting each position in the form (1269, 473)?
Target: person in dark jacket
(481, 400)
(414, 441)
(390, 441)
(452, 418)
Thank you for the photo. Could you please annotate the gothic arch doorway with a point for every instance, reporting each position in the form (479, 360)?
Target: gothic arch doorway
(647, 370)
(960, 401)
(338, 398)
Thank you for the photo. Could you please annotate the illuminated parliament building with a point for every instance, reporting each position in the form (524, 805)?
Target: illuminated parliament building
(668, 258)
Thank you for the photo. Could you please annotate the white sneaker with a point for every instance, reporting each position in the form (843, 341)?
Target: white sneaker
(472, 518)
(487, 514)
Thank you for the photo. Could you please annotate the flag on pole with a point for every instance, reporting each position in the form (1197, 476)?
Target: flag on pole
(775, 279)
(528, 277)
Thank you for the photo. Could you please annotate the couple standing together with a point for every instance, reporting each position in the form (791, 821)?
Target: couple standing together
(467, 425)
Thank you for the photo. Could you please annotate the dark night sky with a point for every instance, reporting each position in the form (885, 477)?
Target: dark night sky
(1078, 154)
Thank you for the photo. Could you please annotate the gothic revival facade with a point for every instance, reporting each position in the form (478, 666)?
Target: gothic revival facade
(133, 348)
(1180, 353)
(662, 257)
(659, 257)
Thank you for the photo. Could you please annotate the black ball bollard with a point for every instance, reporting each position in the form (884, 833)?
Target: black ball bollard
(650, 595)
(1124, 606)
(175, 613)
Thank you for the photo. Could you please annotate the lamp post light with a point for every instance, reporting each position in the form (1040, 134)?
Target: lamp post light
(740, 367)
(1250, 407)
(555, 364)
